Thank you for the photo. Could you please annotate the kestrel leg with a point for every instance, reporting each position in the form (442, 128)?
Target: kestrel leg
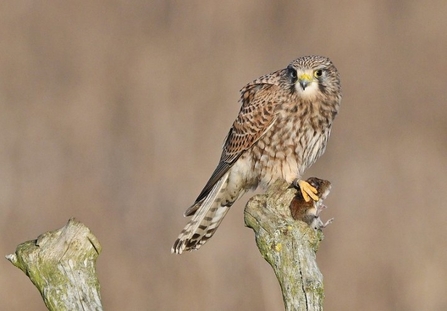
(307, 190)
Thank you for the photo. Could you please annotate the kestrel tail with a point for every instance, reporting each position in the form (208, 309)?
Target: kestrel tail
(282, 128)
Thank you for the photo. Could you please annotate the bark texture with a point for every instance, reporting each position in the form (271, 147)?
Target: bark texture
(61, 264)
(288, 245)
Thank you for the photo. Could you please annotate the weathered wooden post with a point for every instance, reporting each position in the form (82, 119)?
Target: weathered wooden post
(61, 264)
(289, 245)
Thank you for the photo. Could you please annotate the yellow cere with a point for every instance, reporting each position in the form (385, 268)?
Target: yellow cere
(305, 77)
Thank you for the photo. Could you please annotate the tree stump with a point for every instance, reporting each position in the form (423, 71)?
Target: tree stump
(61, 264)
(288, 245)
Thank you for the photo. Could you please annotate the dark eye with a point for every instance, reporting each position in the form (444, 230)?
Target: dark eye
(318, 73)
(292, 73)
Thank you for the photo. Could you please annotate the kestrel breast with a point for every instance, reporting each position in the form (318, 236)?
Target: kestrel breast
(286, 150)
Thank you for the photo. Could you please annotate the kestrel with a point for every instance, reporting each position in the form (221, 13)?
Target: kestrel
(282, 128)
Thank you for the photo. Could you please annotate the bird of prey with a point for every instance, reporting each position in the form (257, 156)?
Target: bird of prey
(282, 128)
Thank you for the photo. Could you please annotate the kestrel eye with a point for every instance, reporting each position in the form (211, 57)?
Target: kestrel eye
(292, 72)
(318, 73)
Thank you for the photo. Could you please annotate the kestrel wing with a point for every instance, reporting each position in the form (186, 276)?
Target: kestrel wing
(256, 116)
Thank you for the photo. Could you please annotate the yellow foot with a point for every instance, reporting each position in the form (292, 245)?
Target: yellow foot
(308, 191)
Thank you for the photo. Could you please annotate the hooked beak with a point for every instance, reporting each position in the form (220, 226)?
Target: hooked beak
(304, 80)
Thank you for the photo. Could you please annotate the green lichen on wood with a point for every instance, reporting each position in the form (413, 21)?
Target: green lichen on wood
(61, 264)
(289, 246)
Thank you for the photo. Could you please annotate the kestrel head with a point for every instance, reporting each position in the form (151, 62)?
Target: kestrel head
(309, 76)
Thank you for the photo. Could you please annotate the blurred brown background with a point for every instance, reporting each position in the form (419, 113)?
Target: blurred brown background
(114, 112)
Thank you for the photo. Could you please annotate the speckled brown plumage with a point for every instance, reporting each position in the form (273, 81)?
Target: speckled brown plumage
(282, 128)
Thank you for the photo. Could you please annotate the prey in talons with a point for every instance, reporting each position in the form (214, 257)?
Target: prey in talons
(309, 210)
(307, 190)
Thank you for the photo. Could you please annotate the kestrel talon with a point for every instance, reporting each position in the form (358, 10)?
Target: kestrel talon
(282, 128)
